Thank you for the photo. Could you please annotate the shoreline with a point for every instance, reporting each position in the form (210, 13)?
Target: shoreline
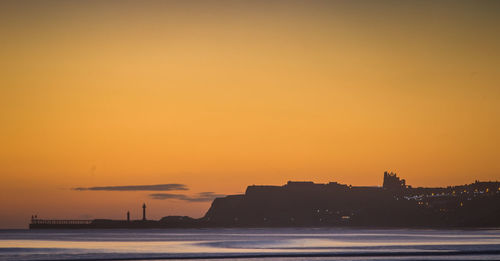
(303, 255)
(255, 228)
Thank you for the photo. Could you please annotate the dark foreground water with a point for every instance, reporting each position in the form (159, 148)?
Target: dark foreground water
(251, 244)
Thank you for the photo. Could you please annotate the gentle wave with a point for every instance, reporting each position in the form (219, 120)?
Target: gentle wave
(241, 244)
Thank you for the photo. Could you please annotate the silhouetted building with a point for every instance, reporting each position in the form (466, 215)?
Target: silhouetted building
(144, 212)
(128, 216)
(393, 183)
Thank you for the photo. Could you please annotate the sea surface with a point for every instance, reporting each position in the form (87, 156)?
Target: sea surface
(290, 244)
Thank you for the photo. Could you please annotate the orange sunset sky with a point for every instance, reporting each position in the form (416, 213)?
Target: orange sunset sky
(218, 95)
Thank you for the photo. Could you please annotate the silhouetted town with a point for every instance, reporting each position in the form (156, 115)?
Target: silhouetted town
(308, 204)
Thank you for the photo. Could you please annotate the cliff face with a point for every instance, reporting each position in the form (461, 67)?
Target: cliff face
(306, 204)
(224, 210)
(333, 204)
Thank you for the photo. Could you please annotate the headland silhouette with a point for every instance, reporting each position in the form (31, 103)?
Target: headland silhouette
(308, 204)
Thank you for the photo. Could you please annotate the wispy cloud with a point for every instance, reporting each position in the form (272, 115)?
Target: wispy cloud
(157, 187)
(200, 197)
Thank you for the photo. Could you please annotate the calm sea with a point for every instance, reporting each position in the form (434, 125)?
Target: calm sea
(251, 244)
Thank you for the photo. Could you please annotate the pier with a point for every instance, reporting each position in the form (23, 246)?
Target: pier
(60, 222)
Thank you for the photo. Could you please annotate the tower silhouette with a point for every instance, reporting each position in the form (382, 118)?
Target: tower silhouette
(128, 216)
(144, 212)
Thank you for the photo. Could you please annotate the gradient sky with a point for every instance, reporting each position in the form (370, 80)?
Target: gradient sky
(213, 96)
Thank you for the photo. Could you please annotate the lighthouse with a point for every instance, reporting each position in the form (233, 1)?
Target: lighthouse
(144, 212)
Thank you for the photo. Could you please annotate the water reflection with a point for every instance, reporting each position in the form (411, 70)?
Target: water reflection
(36, 245)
